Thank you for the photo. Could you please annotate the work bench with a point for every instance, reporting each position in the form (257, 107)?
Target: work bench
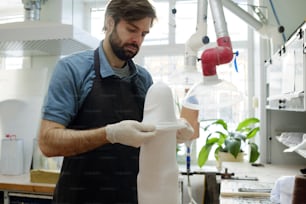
(266, 176)
(245, 176)
(19, 189)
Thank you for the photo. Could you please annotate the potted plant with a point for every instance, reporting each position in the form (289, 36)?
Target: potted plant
(230, 141)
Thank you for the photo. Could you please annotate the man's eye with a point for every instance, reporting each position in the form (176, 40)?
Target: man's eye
(132, 30)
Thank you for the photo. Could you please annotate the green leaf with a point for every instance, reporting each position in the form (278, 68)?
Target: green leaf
(238, 136)
(254, 154)
(212, 141)
(233, 146)
(203, 154)
(216, 133)
(220, 122)
(252, 133)
(221, 139)
(245, 124)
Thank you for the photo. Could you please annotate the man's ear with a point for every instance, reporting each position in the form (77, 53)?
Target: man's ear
(109, 23)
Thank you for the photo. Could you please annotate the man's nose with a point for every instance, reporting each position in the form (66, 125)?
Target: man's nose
(138, 39)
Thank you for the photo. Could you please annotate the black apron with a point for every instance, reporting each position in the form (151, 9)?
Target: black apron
(108, 174)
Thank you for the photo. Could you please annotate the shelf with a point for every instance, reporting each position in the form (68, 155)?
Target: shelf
(301, 152)
(285, 101)
(287, 109)
(286, 75)
(43, 38)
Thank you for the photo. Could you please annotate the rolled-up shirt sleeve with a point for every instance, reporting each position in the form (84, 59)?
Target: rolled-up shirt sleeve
(70, 83)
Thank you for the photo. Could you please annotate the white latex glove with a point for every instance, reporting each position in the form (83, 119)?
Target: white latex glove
(184, 134)
(129, 132)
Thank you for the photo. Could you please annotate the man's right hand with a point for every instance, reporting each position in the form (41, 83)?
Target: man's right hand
(129, 132)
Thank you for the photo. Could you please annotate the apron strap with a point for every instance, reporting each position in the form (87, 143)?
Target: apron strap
(97, 63)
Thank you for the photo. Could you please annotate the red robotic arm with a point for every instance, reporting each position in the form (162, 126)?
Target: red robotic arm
(212, 57)
(223, 53)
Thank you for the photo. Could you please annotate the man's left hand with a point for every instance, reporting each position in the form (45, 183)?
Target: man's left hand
(184, 134)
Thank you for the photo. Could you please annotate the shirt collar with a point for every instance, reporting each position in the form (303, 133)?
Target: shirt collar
(106, 69)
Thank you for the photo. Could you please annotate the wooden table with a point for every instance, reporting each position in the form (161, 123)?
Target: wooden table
(22, 187)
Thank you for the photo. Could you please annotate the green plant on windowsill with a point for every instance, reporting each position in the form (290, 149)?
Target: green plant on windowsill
(230, 141)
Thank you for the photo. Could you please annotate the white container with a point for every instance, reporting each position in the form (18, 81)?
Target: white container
(11, 162)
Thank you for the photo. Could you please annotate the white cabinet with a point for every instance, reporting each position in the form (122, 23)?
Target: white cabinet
(286, 99)
(286, 75)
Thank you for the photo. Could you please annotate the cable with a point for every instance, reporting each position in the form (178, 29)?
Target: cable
(277, 19)
(188, 160)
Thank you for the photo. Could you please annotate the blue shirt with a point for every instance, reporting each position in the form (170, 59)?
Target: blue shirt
(72, 80)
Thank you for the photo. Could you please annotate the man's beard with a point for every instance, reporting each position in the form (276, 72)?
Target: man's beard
(119, 50)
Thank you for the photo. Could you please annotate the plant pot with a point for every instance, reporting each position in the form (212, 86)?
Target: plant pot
(227, 157)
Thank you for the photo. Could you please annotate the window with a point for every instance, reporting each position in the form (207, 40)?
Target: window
(11, 62)
(97, 22)
(185, 22)
(159, 33)
(163, 67)
(11, 19)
